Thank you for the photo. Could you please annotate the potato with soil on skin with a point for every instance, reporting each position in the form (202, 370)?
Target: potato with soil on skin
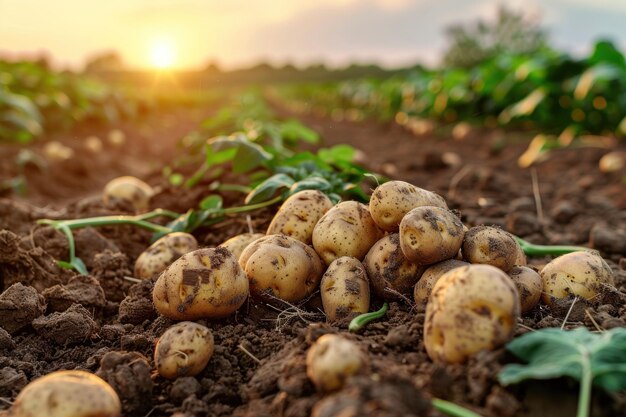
(183, 350)
(237, 244)
(520, 257)
(345, 230)
(582, 274)
(392, 276)
(299, 214)
(471, 308)
(345, 288)
(430, 234)
(162, 253)
(67, 394)
(331, 360)
(529, 286)
(426, 283)
(129, 189)
(282, 267)
(391, 201)
(206, 283)
(492, 246)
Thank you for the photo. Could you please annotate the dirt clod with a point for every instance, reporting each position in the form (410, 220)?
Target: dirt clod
(74, 325)
(19, 306)
(83, 290)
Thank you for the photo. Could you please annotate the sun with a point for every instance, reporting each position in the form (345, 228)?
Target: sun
(162, 54)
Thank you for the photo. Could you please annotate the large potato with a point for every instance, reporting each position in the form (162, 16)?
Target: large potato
(129, 189)
(392, 200)
(425, 285)
(345, 288)
(237, 244)
(283, 267)
(471, 308)
(206, 283)
(183, 350)
(529, 286)
(162, 253)
(430, 234)
(331, 360)
(492, 246)
(391, 274)
(345, 230)
(299, 214)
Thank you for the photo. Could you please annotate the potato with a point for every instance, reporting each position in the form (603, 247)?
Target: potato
(283, 267)
(471, 308)
(345, 230)
(237, 244)
(183, 350)
(299, 214)
(331, 360)
(162, 253)
(520, 257)
(492, 246)
(430, 234)
(345, 288)
(205, 283)
(391, 274)
(67, 394)
(392, 200)
(583, 274)
(129, 189)
(529, 286)
(429, 278)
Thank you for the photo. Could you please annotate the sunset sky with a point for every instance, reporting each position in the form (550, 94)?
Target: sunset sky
(190, 33)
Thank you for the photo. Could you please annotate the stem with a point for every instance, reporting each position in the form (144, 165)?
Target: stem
(251, 207)
(531, 249)
(233, 187)
(107, 221)
(452, 409)
(362, 320)
(70, 242)
(584, 396)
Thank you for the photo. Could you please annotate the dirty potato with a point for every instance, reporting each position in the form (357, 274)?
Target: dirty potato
(529, 286)
(237, 244)
(391, 201)
(471, 308)
(299, 214)
(183, 350)
(205, 283)
(283, 267)
(67, 394)
(429, 278)
(162, 253)
(345, 230)
(345, 288)
(331, 360)
(492, 246)
(129, 189)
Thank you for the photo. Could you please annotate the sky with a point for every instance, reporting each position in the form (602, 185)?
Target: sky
(235, 33)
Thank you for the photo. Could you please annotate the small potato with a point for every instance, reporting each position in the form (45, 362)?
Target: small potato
(520, 258)
(283, 267)
(332, 360)
(471, 308)
(183, 350)
(391, 274)
(430, 234)
(529, 286)
(162, 253)
(583, 274)
(299, 214)
(492, 246)
(345, 288)
(237, 244)
(392, 200)
(67, 394)
(345, 230)
(205, 283)
(429, 278)
(129, 189)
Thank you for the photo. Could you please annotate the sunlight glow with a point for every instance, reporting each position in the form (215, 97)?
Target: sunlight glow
(162, 54)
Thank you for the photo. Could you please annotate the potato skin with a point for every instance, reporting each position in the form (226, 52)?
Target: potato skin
(205, 283)
(162, 253)
(424, 287)
(130, 189)
(391, 201)
(237, 244)
(67, 394)
(183, 350)
(388, 269)
(430, 234)
(492, 246)
(299, 214)
(345, 230)
(283, 267)
(471, 308)
(331, 360)
(529, 286)
(345, 288)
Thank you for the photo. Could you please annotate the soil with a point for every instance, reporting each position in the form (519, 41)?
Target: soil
(106, 324)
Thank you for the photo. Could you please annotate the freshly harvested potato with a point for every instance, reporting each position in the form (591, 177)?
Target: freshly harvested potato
(391, 274)
(345, 230)
(392, 200)
(345, 288)
(129, 189)
(429, 278)
(529, 286)
(520, 258)
(492, 246)
(471, 308)
(205, 283)
(237, 244)
(430, 234)
(162, 253)
(283, 267)
(583, 274)
(183, 350)
(67, 394)
(331, 360)
(299, 214)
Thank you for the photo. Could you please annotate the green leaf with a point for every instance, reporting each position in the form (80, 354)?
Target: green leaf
(311, 183)
(247, 155)
(293, 130)
(211, 202)
(336, 154)
(268, 188)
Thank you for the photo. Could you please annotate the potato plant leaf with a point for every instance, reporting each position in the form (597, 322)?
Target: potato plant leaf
(248, 155)
(268, 188)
